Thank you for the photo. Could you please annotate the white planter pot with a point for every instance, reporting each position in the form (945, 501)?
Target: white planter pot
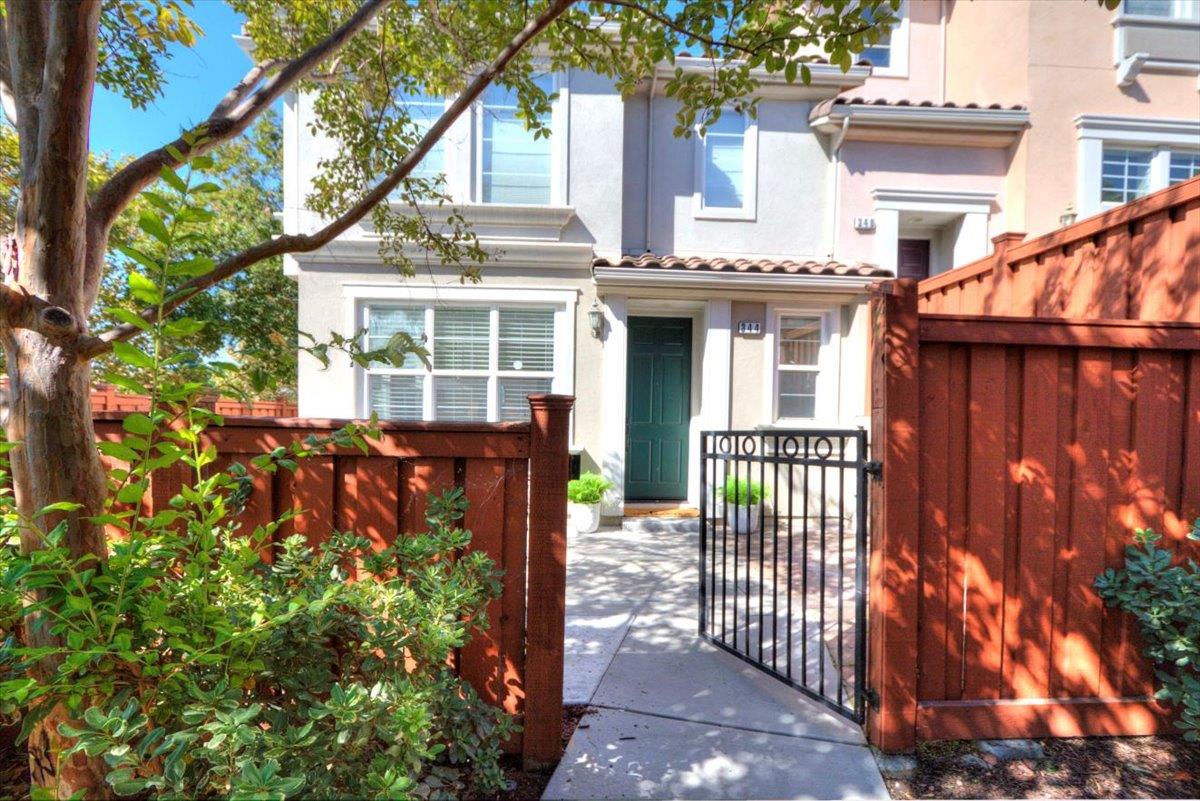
(585, 518)
(742, 519)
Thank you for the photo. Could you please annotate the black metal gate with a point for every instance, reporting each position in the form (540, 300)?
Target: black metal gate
(783, 551)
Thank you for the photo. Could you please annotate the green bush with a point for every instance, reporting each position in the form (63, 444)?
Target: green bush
(742, 491)
(1164, 598)
(203, 660)
(588, 489)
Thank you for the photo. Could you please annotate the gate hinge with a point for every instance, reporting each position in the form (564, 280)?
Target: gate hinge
(872, 697)
(874, 469)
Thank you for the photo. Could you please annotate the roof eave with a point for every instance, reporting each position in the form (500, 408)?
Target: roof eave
(826, 79)
(919, 117)
(660, 277)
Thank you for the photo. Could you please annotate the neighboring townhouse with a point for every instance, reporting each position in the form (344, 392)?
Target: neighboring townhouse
(1009, 115)
(672, 285)
(679, 285)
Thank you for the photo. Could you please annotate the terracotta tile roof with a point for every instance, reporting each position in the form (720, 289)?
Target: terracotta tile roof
(761, 266)
(825, 106)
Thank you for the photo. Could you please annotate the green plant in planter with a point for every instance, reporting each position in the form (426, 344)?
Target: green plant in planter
(742, 491)
(1164, 598)
(588, 489)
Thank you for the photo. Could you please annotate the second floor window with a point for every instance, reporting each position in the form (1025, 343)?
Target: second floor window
(424, 111)
(515, 166)
(1125, 174)
(725, 162)
(1170, 9)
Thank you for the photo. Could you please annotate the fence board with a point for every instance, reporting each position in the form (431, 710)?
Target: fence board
(383, 493)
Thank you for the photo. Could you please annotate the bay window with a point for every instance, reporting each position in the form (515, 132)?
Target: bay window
(485, 359)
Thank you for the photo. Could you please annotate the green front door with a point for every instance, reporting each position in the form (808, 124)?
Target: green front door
(658, 405)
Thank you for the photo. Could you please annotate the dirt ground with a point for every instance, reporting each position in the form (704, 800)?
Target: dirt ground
(1113, 767)
(523, 785)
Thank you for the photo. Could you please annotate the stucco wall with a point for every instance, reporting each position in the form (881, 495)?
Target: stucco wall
(923, 69)
(866, 166)
(791, 197)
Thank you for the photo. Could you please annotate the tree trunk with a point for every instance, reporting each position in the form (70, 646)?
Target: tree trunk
(56, 459)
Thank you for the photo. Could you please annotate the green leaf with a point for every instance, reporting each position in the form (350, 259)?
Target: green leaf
(127, 316)
(61, 506)
(141, 258)
(172, 179)
(138, 423)
(132, 493)
(184, 326)
(153, 225)
(144, 289)
(132, 355)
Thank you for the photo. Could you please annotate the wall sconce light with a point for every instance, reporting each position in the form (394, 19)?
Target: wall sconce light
(596, 319)
(1068, 216)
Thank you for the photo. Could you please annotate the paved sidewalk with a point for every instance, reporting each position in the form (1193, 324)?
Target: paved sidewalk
(677, 717)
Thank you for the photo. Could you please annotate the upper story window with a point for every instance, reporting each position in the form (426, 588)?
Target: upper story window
(1184, 165)
(726, 167)
(889, 55)
(1125, 174)
(1167, 9)
(515, 166)
(424, 111)
(485, 360)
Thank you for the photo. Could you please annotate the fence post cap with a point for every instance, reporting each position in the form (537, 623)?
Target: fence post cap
(548, 401)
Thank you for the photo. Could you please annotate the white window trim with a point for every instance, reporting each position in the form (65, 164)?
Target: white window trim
(749, 208)
(1095, 132)
(558, 147)
(898, 49)
(358, 297)
(828, 366)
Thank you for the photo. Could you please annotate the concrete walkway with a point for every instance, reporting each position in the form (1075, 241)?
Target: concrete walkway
(676, 717)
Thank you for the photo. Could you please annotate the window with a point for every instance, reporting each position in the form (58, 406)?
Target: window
(424, 111)
(1169, 9)
(726, 168)
(485, 361)
(516, 166)
(799, 357)
(880, 53)
(1125, 174)
(724, 162)
(1184, 165)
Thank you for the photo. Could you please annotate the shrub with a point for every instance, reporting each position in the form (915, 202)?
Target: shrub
(1164, 598)
(742, 491)
(588, 489)
(201, 659)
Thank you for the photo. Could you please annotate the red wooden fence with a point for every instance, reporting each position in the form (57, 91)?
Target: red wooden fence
(1020, 449)
(514, 475)
(106, 399)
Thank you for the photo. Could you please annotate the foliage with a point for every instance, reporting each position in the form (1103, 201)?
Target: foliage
(200, 658)
(1163, 595)
(742, 491)
(588, 489)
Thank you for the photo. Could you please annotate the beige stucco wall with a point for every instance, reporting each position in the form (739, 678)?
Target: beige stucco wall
(922, 78)
(1057, 59)
(746, 410)
(866, 166)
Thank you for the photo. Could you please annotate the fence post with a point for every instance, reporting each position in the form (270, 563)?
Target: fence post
(895, 507)
(549, 468)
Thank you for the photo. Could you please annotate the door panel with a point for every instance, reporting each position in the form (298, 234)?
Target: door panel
(912, 259)
(658, 408)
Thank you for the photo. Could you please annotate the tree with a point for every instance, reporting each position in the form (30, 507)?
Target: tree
(356, 58)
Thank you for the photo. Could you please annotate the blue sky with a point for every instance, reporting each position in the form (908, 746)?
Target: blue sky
(196, 80)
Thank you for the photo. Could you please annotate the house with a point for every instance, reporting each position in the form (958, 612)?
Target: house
(983, 118)
(679, 285)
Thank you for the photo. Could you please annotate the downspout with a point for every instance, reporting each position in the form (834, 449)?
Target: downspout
(838, 139)
(942, 46)
(650, 154)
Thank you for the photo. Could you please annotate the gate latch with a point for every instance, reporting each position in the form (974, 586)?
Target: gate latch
(874, 469)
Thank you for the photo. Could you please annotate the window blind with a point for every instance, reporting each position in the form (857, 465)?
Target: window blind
(514, 394)
(461, 339)
(383, 322)
(460, 398)
(396, 397)
(527, 339)
(799, 340)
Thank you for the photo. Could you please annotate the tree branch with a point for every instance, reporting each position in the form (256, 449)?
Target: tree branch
(26, 34)
(304, 243)
(19, 309)
(233, 115)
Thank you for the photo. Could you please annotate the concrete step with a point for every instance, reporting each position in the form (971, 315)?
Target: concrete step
(661, 525)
